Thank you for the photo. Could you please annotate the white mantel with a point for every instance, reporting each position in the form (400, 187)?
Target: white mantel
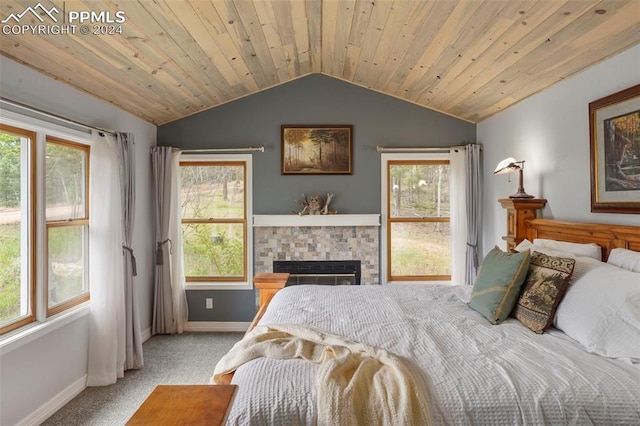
(281, 220)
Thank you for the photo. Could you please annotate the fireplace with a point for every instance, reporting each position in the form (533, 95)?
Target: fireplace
(349, 237)
(320, 272)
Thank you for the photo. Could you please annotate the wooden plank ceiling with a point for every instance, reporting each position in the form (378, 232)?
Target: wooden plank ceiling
(467, 58)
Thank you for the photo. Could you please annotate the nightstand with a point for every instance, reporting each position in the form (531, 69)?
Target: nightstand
(269, 284)
(519, 210)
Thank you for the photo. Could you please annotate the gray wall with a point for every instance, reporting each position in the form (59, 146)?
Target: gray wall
(550, 131)
(36, 373)
(377, 119)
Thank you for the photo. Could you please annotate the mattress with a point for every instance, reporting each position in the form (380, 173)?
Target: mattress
(476, 373)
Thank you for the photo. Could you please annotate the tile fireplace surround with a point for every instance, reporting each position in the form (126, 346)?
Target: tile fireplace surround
(330, 237)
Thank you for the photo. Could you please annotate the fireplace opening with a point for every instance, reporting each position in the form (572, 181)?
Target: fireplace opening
(320, 272)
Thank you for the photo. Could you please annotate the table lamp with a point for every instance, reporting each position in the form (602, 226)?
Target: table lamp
(510, 165)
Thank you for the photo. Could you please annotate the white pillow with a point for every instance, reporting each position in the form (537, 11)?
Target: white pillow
(589, 250)
(601, 311)
(625, 258)
(583, 263)
(524, 244)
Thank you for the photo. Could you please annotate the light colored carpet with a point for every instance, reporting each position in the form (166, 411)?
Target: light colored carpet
(183, 359)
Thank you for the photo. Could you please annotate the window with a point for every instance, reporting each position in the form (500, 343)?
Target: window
(418, 235)
(215, 208)
(17, 227)
(67, 224)
(42, 170)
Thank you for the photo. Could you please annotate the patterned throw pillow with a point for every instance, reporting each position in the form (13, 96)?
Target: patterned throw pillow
(543, 289)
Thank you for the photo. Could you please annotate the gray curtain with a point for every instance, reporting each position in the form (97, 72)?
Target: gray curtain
(474, 207)
(133, 338)
(163, 321)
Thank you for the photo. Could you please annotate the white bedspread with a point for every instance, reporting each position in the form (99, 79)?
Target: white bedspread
(476, 373)
(355, 381)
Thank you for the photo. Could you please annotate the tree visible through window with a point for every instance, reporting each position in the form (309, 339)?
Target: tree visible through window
(67, 223)
(60, 184)
(418, 231)
(17, 281)
(214, 221)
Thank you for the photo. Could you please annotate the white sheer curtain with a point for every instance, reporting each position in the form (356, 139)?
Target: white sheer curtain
(106, 327)
(457, 181)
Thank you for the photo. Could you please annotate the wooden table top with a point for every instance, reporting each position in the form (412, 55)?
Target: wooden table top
(270, 277)
(185, 405)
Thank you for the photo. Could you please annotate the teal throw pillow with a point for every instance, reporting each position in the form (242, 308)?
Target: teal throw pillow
(498, 283)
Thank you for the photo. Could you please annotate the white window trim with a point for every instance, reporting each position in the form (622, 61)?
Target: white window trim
(42, 325)
(384, 214)
(30, 123)
(37, 329)
(25, 231)
(231, 285)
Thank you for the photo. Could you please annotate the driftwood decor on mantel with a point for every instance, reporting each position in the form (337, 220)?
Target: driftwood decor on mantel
(315, 205)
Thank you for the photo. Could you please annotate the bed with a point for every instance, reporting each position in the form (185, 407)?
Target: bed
(583, 369)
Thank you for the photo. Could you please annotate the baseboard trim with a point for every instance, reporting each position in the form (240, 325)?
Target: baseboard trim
(54, 404)
(145, 334)
(203, 326)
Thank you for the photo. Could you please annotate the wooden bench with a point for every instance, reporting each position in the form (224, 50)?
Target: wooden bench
(185, 405)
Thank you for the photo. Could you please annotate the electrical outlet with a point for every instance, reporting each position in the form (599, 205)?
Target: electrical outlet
(209, 303)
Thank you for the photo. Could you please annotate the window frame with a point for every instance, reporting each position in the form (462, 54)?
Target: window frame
(30, 163)
(41, 322)
(82, 222)
(227, 283)
(387, 160)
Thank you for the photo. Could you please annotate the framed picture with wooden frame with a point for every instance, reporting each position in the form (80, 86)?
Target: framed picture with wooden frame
(317, 150)
(614, 124)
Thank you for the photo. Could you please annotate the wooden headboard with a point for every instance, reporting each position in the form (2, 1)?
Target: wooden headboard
(606, 236)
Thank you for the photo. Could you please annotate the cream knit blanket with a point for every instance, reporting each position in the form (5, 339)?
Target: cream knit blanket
(356, 383)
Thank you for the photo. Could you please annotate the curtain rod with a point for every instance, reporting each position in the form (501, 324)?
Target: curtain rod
(55, 117)
(382, 149)
(412, 149)
(213, 150)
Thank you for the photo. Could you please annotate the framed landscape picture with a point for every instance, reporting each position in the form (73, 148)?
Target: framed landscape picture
(317, 150)
(615, 152)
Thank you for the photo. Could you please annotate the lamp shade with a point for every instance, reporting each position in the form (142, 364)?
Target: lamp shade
(508, 165)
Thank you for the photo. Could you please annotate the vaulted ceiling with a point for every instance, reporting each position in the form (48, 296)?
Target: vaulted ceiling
(171, 58)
